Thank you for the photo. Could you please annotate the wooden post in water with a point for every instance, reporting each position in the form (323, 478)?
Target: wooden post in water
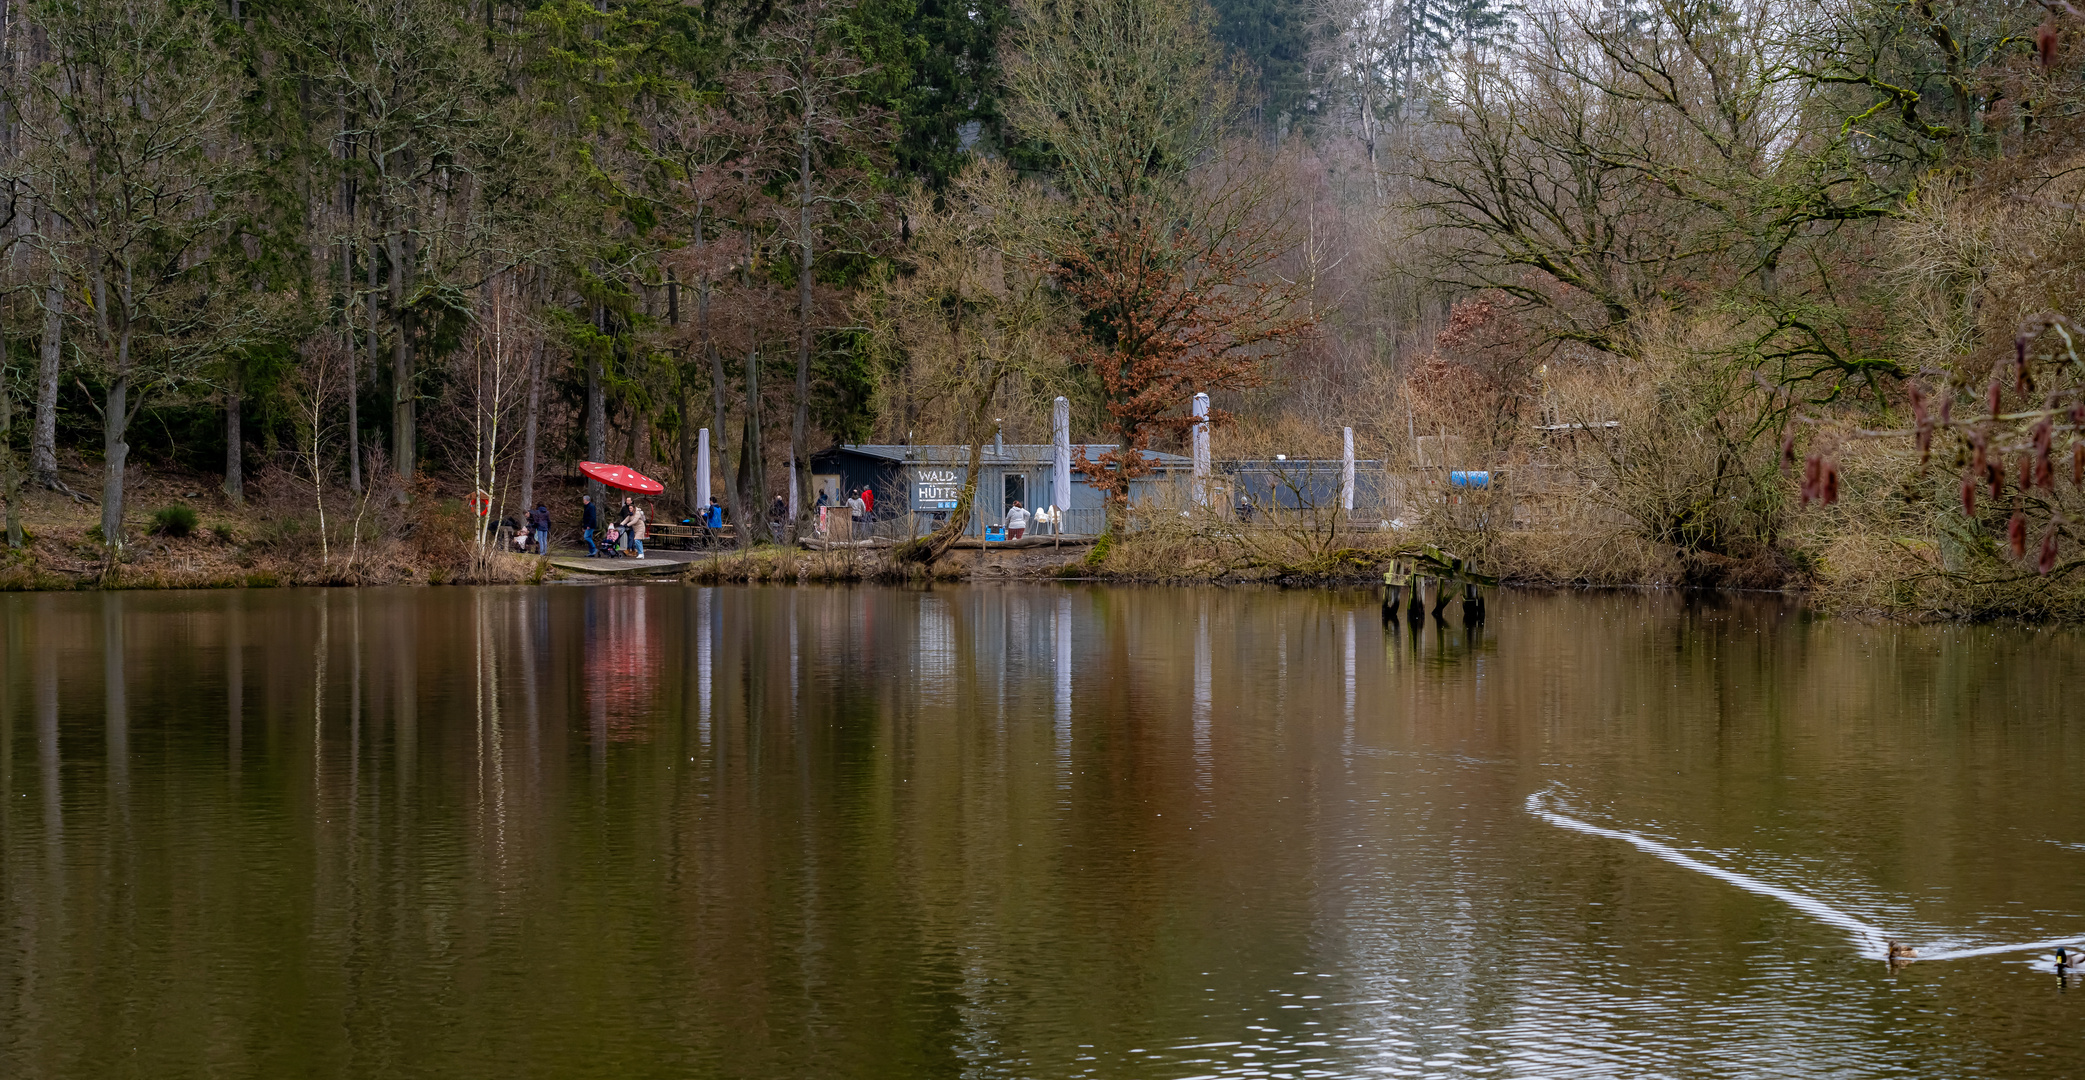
(1392, 592)
(1415, 610)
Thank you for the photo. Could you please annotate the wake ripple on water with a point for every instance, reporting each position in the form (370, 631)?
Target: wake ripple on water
(1869, 938)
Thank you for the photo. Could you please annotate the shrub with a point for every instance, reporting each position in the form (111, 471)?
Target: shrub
(176, 521)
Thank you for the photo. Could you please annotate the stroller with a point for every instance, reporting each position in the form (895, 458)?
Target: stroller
(611, 548)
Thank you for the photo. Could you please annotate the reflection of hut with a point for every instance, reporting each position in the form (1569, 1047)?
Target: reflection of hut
(920, 485)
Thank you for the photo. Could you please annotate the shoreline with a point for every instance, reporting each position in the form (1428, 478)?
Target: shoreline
(273, 541)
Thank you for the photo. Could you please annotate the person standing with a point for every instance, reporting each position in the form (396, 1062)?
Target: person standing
(539, 524)
(639, 532)
(868, 503)
(857, 509)
(1016, 520)
(589, 523)
(627, 524)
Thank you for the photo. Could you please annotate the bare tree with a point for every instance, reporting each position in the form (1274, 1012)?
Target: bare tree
(411, 84)
(1170, 248)
(317, 382)
(817, 87)
(976, 311)
(128, 140)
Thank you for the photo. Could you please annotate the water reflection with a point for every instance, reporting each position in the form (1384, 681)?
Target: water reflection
(1023, 831)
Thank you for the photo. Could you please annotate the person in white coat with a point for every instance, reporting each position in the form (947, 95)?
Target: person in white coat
(1016, 521)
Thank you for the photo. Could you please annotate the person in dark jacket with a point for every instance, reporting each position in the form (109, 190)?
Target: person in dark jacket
(589, 523)
(539, 524)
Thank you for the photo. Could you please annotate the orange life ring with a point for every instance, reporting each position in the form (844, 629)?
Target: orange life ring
(481, 503)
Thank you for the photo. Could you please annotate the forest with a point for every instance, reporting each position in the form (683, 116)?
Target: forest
(1727, 293)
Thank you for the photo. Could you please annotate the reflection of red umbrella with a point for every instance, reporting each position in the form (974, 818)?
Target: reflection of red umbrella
(623, 477)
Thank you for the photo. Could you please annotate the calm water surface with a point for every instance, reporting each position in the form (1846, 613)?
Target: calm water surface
(1026, 832)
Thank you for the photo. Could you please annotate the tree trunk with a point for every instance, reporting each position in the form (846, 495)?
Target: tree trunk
(43, 437)
(354, 370)
(799, 425)
(687, 412)
(354, 415)
(530, 418)
(10, 467)
(719, 409)
(596, 409)
(115, 415)
(930, 548)
(234, 446)
(347, 306)
(402, 391)
(376, 336)
(686, 404)
(752, 464)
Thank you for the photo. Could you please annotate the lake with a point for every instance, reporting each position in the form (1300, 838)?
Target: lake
(1028, 831)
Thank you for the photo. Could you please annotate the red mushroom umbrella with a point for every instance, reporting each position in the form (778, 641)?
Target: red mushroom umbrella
(621, 477)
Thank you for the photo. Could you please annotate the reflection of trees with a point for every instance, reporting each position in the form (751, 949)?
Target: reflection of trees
(414, 830)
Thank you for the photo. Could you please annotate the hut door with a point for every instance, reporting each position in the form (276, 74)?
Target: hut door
(1016, 491)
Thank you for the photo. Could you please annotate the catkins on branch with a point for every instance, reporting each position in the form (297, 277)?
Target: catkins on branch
(2044, 470)
(2027, 333)
(1992, 398)
(2047, 561)
(2016, 534)
(1788, 450)
(1988, 467)
(1820, 480)
(2078, 463)
(1969, 494)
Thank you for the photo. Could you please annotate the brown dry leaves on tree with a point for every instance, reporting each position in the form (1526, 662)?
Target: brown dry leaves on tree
(1173, 312)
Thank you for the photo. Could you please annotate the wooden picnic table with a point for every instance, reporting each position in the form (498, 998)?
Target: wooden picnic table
(688, 537)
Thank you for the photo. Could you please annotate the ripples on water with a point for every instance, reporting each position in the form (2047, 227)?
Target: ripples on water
(673, 831)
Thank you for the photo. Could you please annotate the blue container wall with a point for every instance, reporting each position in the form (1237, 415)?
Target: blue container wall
(1303, 485)
(1086, 507)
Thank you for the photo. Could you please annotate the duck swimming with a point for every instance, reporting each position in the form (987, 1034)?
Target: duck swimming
(2067, 957)
(1905, 952)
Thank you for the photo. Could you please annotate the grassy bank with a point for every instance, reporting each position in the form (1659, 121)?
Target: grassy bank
(182, 533)
(1891, 547)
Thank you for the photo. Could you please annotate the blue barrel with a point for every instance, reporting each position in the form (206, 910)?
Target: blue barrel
(1468, 479)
